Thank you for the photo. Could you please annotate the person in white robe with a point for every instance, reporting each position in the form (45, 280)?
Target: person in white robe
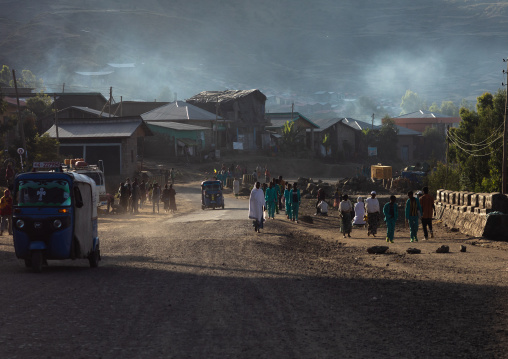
(256, 205)
(359, 212)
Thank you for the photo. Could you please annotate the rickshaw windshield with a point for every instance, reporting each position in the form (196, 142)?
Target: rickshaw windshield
(36, 193)
(212, 187)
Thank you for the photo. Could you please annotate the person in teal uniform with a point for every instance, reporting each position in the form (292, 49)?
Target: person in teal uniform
(271, 200)
(413, 208)
(391, 212)
(295, 198)
(287, 200)
(278, 192)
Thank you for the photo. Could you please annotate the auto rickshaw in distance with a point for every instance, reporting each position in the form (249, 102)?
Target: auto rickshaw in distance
(211, 194)
(55, 217)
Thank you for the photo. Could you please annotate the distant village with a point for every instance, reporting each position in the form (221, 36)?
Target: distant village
(91, 126)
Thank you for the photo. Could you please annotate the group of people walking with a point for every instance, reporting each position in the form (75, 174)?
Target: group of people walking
(274, 197)
(133, 196)
(368, 212)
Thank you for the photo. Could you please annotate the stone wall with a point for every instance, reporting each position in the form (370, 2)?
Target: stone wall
(475, 214)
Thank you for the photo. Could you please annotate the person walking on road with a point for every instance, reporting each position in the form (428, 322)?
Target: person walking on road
(156, 196)
(271, 200)
(6, 212)
(372, 207)
(295, 198)
(236, 187)
(287, 201)
(172, 200)
(359, 219)
(428, 211)
(345, 210)
(391, 212)
(256, 205)
(165, 198)
(411, 211)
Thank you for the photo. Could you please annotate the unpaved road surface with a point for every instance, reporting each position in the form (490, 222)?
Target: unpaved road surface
(203, 284)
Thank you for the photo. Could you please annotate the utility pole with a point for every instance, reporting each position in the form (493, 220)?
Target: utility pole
(56, 124)
(20, 120)
(504, 186)
(110, 100)
(372, 128)
(447, 155)
(63, 88)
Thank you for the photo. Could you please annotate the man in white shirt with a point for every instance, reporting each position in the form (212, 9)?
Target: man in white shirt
(373, 213)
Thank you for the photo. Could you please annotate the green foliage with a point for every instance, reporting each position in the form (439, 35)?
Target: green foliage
(27, 79)
(385, 139)
(5, 75)
(476, 146)
(291, 140)
(40, 105)
(443, 177)
(434, 145)
(326, 142)
(45, 148)
(449, 109)
(411, 102)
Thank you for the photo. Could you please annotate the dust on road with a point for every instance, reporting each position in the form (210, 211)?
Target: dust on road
(172, 286)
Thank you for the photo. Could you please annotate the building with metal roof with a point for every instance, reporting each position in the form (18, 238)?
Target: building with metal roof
(114, 141)
(421, 120)
(181, 128)
(243, 113)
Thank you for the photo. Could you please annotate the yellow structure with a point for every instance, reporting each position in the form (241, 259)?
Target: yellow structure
(381, 172)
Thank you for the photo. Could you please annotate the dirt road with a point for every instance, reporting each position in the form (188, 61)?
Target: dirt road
(203, 284)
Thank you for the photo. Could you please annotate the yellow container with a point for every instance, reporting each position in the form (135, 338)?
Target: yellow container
(381, 172)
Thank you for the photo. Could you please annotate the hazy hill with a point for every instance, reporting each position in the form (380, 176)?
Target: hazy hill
(444, 49)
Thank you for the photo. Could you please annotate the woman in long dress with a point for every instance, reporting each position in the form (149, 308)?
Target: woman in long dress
(359, 213)
(345, 210)
(172, 201)
(165, 198)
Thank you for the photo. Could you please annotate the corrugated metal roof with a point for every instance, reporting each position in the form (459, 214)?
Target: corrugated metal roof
(91, 111)
(280, 118)
(358, 125)
(423, 114)
(177, 126)
(325, 123)
(223, 96)
(95, 128)
(179, 110)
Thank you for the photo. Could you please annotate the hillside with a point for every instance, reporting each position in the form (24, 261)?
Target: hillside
(443, 49)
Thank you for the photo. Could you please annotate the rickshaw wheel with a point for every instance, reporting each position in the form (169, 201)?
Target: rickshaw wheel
(203, 207)
(222, 205)
(28, 262)
(93, 258)
(37, 261)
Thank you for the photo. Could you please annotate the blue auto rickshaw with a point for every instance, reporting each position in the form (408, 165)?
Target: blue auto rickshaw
(55, 217)
(211, 194)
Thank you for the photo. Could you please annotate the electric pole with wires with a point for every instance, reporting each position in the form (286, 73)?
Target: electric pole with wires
(504, 185)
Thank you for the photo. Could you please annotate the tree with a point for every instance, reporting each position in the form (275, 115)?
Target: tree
(411, 102)
(5, 75)
(449, 109)
(385, 139)
(434, 107)
(476, 146)
(434, 144)
(40, 105)
(45, 148)
(290, 140)
(388, 139)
